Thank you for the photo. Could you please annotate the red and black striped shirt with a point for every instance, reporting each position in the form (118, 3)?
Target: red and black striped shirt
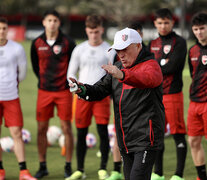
(50, 63)
(173, 48)
(197, 60)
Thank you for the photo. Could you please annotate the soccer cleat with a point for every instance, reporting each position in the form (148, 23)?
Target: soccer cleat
(102, 174)
(76, 175)
(175, 177)
(198, 178)
(25, 175)
(41, 173)
(115, 175)
(157, 177)
(2, 174)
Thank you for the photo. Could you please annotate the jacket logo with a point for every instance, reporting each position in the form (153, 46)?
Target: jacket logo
(166, 49)
(204, 59)
(57, 49)
(124, 37)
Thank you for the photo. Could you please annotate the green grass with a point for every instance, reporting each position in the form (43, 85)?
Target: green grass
(28, 94)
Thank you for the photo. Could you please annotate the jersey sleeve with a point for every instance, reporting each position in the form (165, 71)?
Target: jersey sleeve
(21, 63)
(74, 64)
(34, 59)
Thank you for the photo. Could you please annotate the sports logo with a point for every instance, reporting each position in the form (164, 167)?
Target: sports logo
(124, 37)
(204, 59)
(57, 49)
(166, 49)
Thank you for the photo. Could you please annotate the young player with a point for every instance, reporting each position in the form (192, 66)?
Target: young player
(13, 65)
(170, 51)
(197, 112)
(50, 55)
(87, 59)
(135, 83)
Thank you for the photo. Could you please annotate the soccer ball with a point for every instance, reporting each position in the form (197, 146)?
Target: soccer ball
(26, 136)
(111, 130)
(53, 134)
(90, 140)
(7, 144)
(61, 141)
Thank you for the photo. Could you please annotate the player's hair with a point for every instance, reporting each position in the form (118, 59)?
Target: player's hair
(3, 20)
(51, 12)
(93, 21)
(199, 19)
(136, 26)
(163, 13)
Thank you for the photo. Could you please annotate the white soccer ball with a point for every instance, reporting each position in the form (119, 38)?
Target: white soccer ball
(26, 136)
(111, 130)
(91, 140)
(53, 134)
(61, 141)
(7, 144)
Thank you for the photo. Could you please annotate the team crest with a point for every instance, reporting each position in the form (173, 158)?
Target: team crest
(167, 49)
(57, 49)
(204, 59)
(124, 37)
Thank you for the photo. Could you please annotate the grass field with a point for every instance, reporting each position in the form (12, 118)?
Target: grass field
(28, 93)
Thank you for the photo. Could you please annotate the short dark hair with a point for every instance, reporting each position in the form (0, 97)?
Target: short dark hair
(199, 19)
(93, 21)
(51, 12)
(136, 26)
(3, 20)
(163, 13)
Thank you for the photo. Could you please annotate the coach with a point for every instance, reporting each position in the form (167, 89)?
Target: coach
(135, 83)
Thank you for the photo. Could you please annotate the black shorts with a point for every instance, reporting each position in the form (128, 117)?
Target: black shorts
(138, 166)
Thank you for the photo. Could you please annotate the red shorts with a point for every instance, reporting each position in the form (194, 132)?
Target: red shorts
(46, 102)
(197, 119)
(85, 110)
(12, 113)
(174, 115)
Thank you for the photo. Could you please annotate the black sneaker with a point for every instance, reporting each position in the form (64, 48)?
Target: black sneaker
(41, 173)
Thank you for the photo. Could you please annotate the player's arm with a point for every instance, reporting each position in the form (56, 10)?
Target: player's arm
(34, 59)
(72, 45)
(22, 64)
(74, 64)
(190, 65)
(176, 60)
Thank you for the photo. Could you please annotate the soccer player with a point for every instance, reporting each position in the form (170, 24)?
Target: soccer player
(86, 60)
(170, 52)
(197, 112)
(135, 83)
(13, 66)
(50, 56)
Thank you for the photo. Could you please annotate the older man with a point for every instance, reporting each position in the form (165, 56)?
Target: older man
(135, 83)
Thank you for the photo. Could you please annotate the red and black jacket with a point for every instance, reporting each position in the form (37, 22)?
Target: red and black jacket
(174, 48)
(50, 63)
(197, 61)
(138, 108)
